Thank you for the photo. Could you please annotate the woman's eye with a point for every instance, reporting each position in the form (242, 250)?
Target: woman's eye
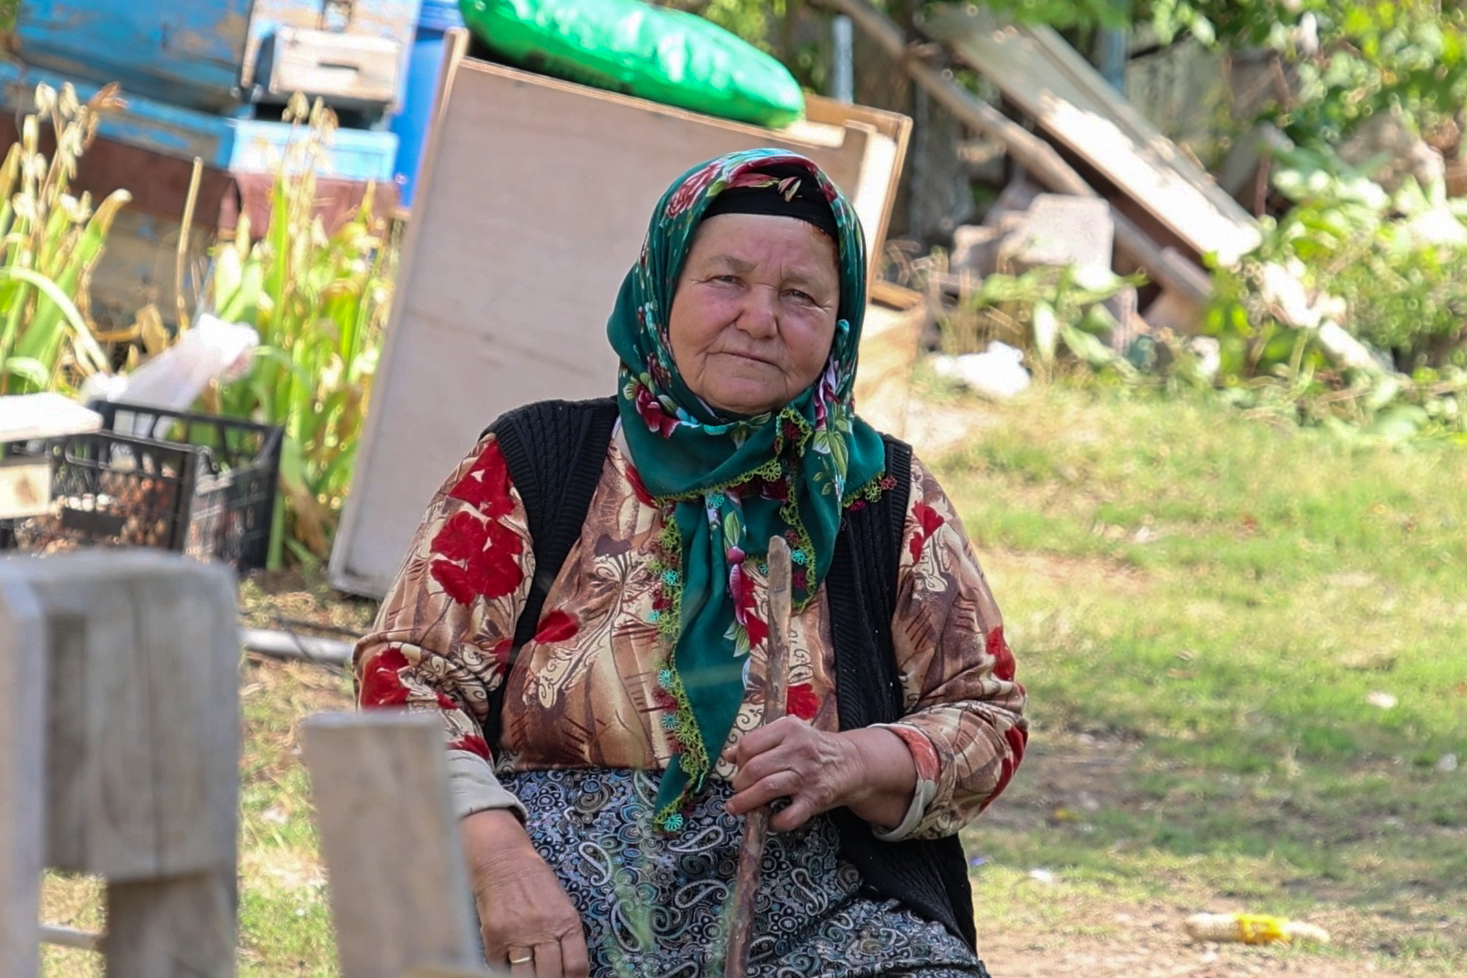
(801, 296)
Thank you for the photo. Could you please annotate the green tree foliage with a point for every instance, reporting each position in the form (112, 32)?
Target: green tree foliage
(1354, 59)
(783, 28)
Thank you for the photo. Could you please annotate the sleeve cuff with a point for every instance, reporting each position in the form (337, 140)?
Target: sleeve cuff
(921, 798)
(925, 759)
(472, 786)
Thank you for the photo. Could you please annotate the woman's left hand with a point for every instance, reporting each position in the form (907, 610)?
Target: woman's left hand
(870, 771)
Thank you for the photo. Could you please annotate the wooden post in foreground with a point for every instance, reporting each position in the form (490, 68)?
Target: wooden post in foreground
(394, 855)
(141, 745)
(22, 778)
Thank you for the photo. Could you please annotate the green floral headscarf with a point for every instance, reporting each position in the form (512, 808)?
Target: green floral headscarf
(727, 485)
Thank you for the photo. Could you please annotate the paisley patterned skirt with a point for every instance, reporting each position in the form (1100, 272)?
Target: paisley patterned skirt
(656, 905)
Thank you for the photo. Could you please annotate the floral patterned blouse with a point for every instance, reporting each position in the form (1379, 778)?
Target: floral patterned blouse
(584, 692)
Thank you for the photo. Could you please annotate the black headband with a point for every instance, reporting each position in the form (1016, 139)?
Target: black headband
(793, 194)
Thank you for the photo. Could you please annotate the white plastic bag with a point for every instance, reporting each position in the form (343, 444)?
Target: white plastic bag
(174, 379)
(998, 372)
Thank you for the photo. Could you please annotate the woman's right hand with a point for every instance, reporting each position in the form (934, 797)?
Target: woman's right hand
(524, 913)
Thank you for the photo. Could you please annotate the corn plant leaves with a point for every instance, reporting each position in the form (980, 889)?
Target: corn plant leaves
(45, 333)
(28, 369)
(318, 301)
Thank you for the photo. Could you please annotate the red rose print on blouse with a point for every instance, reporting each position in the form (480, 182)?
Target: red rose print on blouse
(1017, 738)
(557, 627)
(486, 486)
(381, 683)
(741, 588)
(472, 744)
(1004, 666)
(475, 558)
(929, 520)
(924, 755)
(802, 702)
(502, 649)
(639, 488)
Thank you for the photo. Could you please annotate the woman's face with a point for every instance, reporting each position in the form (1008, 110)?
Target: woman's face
(755, 311)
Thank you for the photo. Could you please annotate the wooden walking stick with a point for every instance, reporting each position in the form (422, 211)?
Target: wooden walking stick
(756, 823)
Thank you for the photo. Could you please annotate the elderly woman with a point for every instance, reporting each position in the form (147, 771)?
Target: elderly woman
(583, 606)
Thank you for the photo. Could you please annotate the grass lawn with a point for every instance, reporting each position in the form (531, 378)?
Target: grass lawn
(1246, 650)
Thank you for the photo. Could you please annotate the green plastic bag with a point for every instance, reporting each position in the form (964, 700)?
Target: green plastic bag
(627, 46)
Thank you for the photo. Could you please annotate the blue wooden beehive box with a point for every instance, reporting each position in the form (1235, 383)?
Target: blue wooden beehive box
(237, 144)
(184, 51)
(223, 56)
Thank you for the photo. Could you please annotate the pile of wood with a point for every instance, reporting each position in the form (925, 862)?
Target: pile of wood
(1081, 139)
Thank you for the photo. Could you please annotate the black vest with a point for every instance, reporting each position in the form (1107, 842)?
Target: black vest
(556, 450)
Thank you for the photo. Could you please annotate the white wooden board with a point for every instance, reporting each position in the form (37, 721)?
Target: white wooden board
(1038, 71)
(533, 204)
(890, 338)
(49, 415)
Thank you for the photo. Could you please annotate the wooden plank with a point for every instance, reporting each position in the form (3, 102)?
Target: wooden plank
(1039, 157)
(890, 341)
(1065, 96)
(383, 775)
(334, 65)
(138, 267)
(1026, 148)
(881, 170)
(142, 734)
(180, 927)
(513, 261)
(22, 777)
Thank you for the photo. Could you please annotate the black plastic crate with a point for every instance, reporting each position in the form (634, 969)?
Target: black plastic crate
(194, 483)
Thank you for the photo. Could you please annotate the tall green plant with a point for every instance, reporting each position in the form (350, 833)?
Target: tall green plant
(319, 301)
(49, 242)
(1046, 310)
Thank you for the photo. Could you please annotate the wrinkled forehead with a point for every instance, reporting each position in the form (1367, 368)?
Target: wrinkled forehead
(744, 244)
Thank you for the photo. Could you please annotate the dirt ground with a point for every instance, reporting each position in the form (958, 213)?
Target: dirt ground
(1154, 952)
(1116, 938)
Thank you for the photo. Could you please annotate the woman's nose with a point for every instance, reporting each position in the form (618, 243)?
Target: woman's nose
(760, 316)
